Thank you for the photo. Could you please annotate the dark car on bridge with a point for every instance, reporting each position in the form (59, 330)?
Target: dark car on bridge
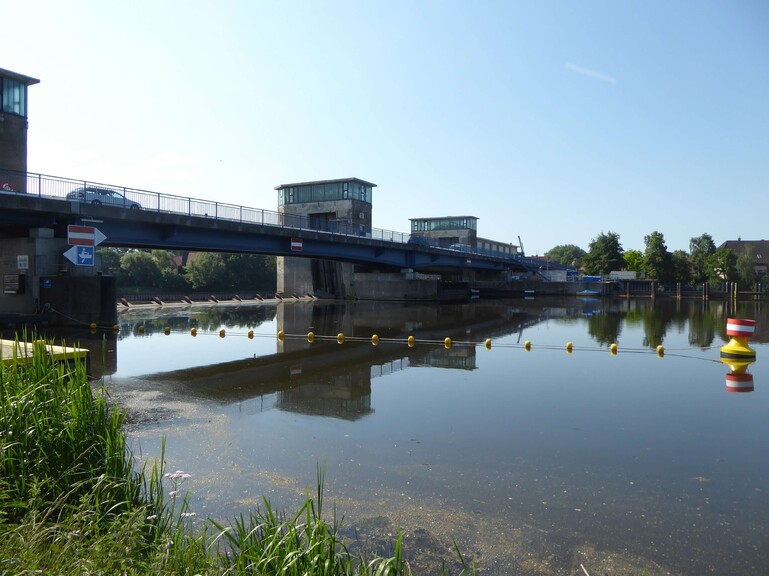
(94, 195)
(418, 241)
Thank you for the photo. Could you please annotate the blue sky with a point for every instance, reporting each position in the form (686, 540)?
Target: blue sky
(552, 121)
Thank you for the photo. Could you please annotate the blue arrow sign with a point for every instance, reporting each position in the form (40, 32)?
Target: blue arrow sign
(80, 255)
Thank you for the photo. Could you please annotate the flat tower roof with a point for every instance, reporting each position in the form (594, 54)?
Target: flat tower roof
(314, 182)
(26, 80)
(444, 218)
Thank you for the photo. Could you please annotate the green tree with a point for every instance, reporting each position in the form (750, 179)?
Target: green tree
(140, 269)
(656, 260)
(110, 260)
(746, 274)
(634, 260)
(604, 254)
(721, 265)
(207, 272)
(172, 281)
(567, 254)
(700, 247)
(164, 258)
(250, 272)
(681, 268)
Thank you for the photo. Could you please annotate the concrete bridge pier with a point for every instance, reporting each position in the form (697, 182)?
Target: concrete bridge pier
(321, 278)
(40, 286)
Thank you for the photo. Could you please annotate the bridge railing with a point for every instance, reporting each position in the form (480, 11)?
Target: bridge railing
(46, 186)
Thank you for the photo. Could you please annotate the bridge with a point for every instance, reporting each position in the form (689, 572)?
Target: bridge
(136, 218)
(38, 211)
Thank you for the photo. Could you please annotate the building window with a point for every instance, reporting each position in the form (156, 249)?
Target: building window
(12, 97)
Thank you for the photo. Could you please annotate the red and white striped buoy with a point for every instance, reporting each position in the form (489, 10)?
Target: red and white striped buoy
(740, 327)
(739, 382)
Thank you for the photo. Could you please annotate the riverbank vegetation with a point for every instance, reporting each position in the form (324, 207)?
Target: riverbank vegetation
(703, 263)
(178, 271)
(73, 499)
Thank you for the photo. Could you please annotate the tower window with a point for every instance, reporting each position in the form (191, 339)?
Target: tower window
(12, 97)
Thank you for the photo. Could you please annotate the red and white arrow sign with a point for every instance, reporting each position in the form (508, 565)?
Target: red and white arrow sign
(296, 244)
(84, 236)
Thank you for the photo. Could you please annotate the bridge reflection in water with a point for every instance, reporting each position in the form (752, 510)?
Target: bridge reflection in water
(327, 379)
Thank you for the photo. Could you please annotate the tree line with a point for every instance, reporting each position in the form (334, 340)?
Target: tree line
(703, 263)
(174, 271)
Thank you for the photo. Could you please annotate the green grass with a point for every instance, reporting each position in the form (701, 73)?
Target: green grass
(74, 502)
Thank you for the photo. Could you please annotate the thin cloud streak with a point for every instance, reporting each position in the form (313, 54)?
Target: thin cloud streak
(590, 73)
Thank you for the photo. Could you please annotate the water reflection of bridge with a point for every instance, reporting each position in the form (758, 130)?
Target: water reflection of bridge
(324, 378)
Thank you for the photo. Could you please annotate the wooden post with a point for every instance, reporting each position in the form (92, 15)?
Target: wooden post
(678, 290)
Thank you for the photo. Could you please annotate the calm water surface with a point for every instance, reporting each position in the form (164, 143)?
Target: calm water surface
(535, 462)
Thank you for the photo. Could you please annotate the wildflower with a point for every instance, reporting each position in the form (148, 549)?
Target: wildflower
(152, 517)
(189, 514)
(173, 493)
(178, 475)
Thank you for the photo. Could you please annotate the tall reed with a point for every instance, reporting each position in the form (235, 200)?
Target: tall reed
(57, 437)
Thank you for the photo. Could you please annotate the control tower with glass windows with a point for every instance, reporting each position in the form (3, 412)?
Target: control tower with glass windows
(343, 206)
(447, 231)
(13, 128)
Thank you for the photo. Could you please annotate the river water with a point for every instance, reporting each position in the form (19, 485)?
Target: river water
(534, 462)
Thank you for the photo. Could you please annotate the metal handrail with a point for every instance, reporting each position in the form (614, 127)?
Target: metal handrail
(46, 186)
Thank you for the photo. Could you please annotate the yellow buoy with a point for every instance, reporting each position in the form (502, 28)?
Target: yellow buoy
(410, 341)
(281, 335)
(141, 329)
(340, 338)
(221, 333)
(613, 349)
(194, 332)
(166, 330)
(250, 334)
(116, 328)
(311, 337)
(93, 325)
(488, 343)
(447, 343)
(569, 347)
(527, 346)
(375, 340)
(660, 350)
(740, 330)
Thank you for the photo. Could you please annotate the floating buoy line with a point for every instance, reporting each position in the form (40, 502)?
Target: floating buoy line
(411, 341)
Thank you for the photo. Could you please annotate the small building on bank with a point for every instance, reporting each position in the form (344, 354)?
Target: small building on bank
(756, 250)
